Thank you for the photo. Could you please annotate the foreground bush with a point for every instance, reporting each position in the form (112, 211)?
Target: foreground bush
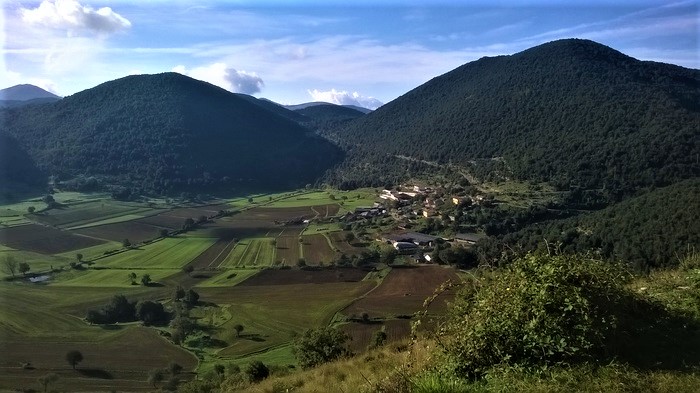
(541, 310)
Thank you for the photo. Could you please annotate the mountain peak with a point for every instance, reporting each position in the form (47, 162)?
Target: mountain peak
(25, 92)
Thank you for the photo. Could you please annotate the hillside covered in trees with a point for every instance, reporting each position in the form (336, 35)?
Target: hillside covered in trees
(570, 112)
(652, 230)
(168, 132)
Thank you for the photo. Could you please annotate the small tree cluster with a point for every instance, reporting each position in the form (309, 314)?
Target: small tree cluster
(321, 345)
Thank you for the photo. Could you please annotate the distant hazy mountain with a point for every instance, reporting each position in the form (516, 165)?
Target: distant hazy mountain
(275, 108)
(305, 105)
(20, 95)
(169, 132)
(572, 112)
(25, 93)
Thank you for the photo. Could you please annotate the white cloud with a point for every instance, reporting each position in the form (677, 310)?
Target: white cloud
(223, 76)
(72, 16)
(345, 98)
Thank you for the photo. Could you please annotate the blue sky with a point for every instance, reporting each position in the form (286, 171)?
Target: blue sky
(298, 51)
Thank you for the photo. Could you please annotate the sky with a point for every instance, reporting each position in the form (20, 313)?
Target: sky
(365, 54)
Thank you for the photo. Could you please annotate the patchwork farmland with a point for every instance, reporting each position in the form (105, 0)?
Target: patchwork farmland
(243, 265)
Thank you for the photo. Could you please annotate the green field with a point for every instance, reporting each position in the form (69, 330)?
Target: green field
(251, 252)
(348, 200)
(117, 278)
(168, 253)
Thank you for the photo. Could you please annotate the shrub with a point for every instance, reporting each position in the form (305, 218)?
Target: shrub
(257, 371)
(321, 345)
(541, 310)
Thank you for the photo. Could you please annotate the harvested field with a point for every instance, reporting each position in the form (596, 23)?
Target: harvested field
(403, 292)
(316, 250)
(135, 231)
(338, 239)
(361, 333)
(287, 246)
(44, 240)
(298, 276)
(213, 256)
(121, 361)
(287, 250)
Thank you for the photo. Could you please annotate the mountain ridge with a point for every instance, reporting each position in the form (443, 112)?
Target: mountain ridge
(568, 112)
(168, 132)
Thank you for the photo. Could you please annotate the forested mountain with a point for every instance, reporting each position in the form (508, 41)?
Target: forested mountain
(571, 112)
(325, 117)
(169, 132)
(17, 170)
(650, 230)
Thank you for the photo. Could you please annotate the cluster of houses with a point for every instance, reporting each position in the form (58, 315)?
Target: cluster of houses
(360, 213)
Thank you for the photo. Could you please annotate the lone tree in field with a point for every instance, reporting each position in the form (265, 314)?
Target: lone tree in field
(24, 268)
(164, 232)
(9, 265)
(238, 328)
(126, 243)
(48, 379)
(146, 280)
(79, 257)
(132, 277)
(31, 209)
(188, 269)
(74, 357)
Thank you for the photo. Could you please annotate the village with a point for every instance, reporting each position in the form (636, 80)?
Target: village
(406, 212)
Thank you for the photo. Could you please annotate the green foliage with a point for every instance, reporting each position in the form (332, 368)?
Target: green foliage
(151, 312)
(650, 230)
(24, 267)
(378, 338)
(119, 309)
(256, 371)
(541, 310)
(320, 345)
(74, 357)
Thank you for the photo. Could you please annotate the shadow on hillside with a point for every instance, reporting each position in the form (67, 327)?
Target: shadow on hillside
(651, 337)
(95, 373)
(252, 337)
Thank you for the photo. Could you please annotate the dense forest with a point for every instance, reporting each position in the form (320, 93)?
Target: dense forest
(17, 170)
(167, 132)
(654, 229)
(569, 112)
